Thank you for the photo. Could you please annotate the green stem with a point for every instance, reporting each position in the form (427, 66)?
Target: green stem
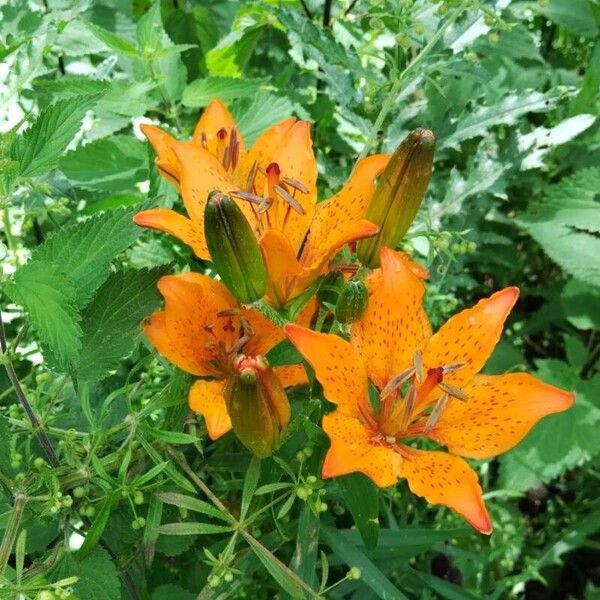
(397, 85)
(12, 529)
(10, 240)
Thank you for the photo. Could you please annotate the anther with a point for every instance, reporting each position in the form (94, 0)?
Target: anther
(251, 177)
(397, 382)
(249, 197)
(419, 368)
(203, 140)
(409, 406)
(289, 199)
(436, 413)
(452, 367)
(453, 391)
(298, 185)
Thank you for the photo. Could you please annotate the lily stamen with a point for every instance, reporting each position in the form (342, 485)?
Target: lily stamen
(437, 411)
(294, 183)
(419, 367)
(453, 391)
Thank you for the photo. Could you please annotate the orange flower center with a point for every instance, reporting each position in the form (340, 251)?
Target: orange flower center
(408, 415)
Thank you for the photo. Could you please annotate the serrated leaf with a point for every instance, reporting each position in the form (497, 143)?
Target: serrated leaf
(98, 576)
(112, 40)
(44, 141)
(84, 250)
(50, 299)
(72, 86)
(111, 321)
(202, 91)
(115, 164)
(476, 122)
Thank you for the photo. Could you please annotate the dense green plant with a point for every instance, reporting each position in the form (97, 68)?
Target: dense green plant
(109, 487)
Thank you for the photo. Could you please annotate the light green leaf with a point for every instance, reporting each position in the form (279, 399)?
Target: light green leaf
(84, 250)
(112, 40)
(50, 299)
(98, 576)
(115, 164)
(193, 529)
(43, 143)
(476, 122)
(111, 321)
(575, 15)
(72, 86)
(193, 504)
(202, 91)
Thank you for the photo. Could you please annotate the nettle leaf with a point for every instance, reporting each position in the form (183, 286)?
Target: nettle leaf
(476, 122)
(559, 442)
(84, 250)
(565, 224)
(112, 40)
(98, 575)
(44, 142)
(115, 164)
(202, 91)
(111, 321)
(50, 300)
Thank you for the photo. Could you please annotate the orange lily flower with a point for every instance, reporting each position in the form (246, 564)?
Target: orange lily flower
(276, 184)
(428, 387)
(202, 330)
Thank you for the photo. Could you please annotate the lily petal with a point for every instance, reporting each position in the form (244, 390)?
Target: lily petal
(216, 118)
(162, 142)
(334, 223)
(176, 225)
(499, 412)
(337, 366)
(442, 478)
(352, 451)
(192, 304)
(288, 144)
(394, 325)
(470, 336)
(206, 398)
(155, 328)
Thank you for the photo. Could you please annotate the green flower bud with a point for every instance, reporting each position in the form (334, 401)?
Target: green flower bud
(354, 573)
(399, 194)
(352, 302)
(234, 248)
(79, 492)
(257, 404)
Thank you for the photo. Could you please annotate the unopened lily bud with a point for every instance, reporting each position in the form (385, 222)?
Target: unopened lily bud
(234, 249)
(352, 302)
(257, 404)
(399, 194)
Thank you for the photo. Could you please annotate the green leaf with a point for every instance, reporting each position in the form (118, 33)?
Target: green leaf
(192, 529)
(565, 224)
(72, 86)
(96, 530)
(575, 15)
(85, 250)
(250, 483)
(168, 591)
(304, 560)
(559, 442)
(202, 91)
(115, 164)
(50, 299)
(193, 504)
(505, 112)
(111, 321)
(112, 40)
(353, 557)
(360, 494)
(171, 437)
(98, 576)
(254, 115)
(153, 518)
(44, 142)
(284, 353)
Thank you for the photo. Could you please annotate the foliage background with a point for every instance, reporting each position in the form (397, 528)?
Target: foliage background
(511, 90)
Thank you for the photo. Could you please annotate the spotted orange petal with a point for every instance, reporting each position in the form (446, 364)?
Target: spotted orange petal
(499, 412)
(442, 478)
(192, 304)
(288, 144)
(162, 142)
(394, 325)
(286, 276)
(206, 398)
(176, 225)
(337, 366)
(155, 329)
(291, 375)
(334, 223)
(213, 130)
(470, 336)
(351, 450)
(200, 174)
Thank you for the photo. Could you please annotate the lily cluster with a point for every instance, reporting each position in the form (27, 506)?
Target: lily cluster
(401, 392)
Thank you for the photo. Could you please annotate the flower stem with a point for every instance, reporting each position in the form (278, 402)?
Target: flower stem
(10, 534)
(397, 85)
